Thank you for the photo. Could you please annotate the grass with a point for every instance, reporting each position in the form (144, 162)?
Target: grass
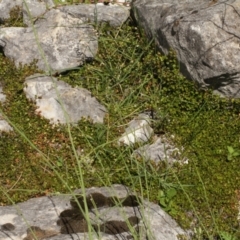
(128, 76)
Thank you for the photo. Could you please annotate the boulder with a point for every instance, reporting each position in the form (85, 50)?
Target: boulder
(61, 103)
(204, 34)
(113, 14)
(57, 41)
(114, 213)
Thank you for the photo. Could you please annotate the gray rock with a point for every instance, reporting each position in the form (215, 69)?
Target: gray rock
(57, 41)
(160, 150)
(6, 6)
(115, 15)
(60, 103)
(114, 212)
(4, 125)
(35, 8)
(204, 35)
(2, 95)
(138, 130)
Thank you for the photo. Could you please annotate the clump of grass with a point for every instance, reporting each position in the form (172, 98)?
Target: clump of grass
(129, 76)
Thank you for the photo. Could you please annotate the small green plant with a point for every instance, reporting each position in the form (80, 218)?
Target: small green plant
(166, 199)
(232, 153)
(227, 236)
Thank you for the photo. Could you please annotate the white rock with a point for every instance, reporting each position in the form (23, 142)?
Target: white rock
(161, 150)
(138, 130)
(2, 95)
(5, 127)
(61, 103)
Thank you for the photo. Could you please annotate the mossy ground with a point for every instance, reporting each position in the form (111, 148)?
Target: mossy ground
(128, 76)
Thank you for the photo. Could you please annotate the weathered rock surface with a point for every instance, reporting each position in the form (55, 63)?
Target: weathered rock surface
(57, 41)
(34, 8)
(204, 35)
(4, 126)
(115, 15)
(2, 95)
(114, 212)
(160, 150)
(60, 103)
(138, 130)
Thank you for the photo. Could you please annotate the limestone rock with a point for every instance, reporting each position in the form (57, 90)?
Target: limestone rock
(59, 102)
(2, 95)
(204, 35)
(4, 126)
(57, 41)
(115, 213)
(115, 15)
(160, 150)
(138, 130)
(34, 8)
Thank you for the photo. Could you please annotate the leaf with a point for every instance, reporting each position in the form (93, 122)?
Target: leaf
(230, 149)
(60, 162)
(163, 203)
(235, 154)
(160, 194)
(171, 193)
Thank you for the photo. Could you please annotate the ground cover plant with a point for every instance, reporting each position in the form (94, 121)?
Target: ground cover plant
(128, 76)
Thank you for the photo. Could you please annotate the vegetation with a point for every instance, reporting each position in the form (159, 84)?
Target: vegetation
(129, 76)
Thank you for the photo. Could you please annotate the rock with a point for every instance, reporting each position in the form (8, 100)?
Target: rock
(60, 103)
(108, 2)
(2, 95)
(34, 8)
(57, 41)
(113, 211)
(114, 14)
(138, 130)
(204, 35)
(160, 150)
(6, 6)
(4, 126)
